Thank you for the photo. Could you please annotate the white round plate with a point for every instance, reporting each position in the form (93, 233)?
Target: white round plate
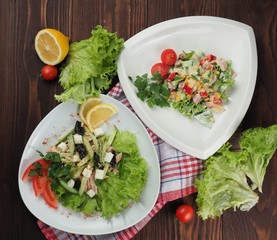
(224, 38)
(55, 125)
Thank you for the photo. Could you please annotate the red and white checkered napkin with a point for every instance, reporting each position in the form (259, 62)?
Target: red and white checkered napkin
(178, 172)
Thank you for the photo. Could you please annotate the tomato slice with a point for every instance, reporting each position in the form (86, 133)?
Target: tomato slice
(49, 196)
(168, 56)
(161, 68)
(39, 183)
(43, 163)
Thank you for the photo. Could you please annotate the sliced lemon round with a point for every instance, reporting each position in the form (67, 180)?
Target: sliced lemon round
(86, 106)
(51, 45)
(99, 114)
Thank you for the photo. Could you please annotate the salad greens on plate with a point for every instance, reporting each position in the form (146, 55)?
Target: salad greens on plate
(93, 172)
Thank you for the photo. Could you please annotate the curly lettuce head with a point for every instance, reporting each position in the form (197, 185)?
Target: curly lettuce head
(90, 66)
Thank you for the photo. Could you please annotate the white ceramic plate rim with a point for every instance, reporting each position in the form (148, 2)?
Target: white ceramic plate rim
(140, 40)
(93, 225)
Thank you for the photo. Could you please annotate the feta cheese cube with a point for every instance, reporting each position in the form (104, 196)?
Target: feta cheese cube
(87, 172)
(99, 174)
(78, 138)
(71, 183)
(98, 132)
(91, 193)
(62, 146)
(108, 157)
(76, 158)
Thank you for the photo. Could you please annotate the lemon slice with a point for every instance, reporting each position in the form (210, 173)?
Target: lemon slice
(99, 114)
(51, 45)
(85, 107)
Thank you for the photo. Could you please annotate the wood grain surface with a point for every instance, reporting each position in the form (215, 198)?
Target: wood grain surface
(25, 99)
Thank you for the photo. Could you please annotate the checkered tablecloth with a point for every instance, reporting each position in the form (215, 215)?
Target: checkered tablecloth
(178, 172)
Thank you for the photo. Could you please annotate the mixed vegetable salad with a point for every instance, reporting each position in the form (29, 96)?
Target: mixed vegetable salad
(90, 172)
(193, 83)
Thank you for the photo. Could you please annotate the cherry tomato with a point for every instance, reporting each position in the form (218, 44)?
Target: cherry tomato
(49, 72)
(168, 56)
(184, 213)
(161, 68)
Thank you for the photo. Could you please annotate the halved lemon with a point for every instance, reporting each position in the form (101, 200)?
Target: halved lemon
(86, 106)
(99, 114)
(51, 45)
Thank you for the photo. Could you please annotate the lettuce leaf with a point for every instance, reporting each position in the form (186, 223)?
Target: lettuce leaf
(90, 66)
(260, 144)
(224, 183)
(126, 142)
(118, 191)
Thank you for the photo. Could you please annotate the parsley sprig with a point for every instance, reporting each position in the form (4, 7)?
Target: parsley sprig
(152, 90)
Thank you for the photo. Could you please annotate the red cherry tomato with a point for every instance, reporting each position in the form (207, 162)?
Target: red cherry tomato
(161, 68)
(184, 213)
(168, 56)
(49, 72)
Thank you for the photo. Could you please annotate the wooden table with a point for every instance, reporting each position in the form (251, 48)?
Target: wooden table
(26, 99)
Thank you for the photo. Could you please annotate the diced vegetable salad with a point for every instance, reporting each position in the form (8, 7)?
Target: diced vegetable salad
(94, 172)
(193, 83)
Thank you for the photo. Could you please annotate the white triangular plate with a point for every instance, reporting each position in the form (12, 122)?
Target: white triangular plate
(222, 37)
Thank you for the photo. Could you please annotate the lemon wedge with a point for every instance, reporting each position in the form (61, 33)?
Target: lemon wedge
(99, 114)
(86, 106)
(51, 45)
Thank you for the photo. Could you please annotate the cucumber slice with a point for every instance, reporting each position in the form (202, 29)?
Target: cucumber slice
(70, 142)
(88, 147)
(70, 189)
(83, 161)
(83, 185)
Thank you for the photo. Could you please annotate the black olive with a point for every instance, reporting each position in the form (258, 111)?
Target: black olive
(113, 161)
(97, 161)
(81, 149)
(77, 184)
(79, 128)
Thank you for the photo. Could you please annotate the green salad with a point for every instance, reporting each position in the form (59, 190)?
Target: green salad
(96, 172)
(193, 83)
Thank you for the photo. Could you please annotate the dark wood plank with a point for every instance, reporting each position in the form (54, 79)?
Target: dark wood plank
(25, 100)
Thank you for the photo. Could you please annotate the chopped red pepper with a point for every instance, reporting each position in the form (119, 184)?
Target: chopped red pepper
(217, 100)
(171, 76)
(203, 93)
(208, 58)
(188, 89)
